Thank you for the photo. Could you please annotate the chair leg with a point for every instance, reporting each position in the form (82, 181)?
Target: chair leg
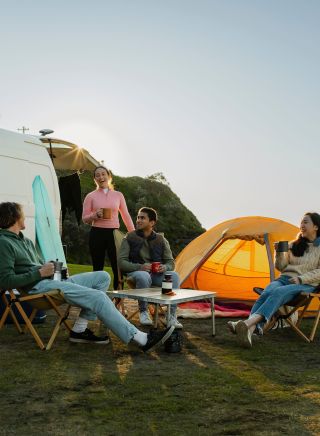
(297, 330)
(4, 316)
(30, 326)
(156, 316)
(31, 318)
(63, 316)
(119, 303)
(315, 325)
(54, 333)
(133, 314)
(8, 310)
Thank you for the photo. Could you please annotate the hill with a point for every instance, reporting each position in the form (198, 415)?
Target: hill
(177, 222)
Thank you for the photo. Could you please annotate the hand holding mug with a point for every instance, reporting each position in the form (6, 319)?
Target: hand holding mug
(162, 268)
(281, 246)
(47, 269)
(99, 213)
(146, 267)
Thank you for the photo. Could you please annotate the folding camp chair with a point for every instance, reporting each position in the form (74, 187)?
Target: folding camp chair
(298, 305)
(45, 301)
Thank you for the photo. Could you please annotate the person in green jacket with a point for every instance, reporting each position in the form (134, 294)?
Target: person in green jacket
(139, 249)
(21, 267)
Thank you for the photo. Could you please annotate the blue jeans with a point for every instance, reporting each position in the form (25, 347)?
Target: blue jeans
(144, 279)
(276, 294)
(88, 291)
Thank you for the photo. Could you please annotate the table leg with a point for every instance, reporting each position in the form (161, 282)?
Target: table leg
(156, 316)
(168, 314)
(213, 317)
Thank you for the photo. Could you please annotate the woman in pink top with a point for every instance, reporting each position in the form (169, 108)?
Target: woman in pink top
(101, 209)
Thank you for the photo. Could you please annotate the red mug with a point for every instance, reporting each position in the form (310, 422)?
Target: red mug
(155, 267)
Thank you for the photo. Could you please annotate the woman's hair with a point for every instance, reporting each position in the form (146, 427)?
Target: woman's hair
(10, 213)
(109, 175)
(300, 245)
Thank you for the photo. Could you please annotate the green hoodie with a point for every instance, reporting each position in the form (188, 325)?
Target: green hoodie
(19, 261)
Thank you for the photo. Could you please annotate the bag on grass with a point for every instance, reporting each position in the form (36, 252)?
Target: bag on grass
(174, 343)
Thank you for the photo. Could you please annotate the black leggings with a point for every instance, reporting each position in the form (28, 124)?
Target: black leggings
(102, 241)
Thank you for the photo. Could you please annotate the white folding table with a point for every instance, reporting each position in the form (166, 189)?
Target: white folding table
(154, 295)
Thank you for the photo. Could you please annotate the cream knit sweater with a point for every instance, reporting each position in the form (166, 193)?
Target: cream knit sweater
(306, 267)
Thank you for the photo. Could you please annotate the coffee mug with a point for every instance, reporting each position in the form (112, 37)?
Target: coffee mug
(106, 213)
(64, 273)
(155, 267)
(282, 246)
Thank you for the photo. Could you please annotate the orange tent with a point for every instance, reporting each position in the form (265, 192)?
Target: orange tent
(233, 257)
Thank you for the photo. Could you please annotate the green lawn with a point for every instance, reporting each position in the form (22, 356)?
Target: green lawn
(77, 269)
(213, 387)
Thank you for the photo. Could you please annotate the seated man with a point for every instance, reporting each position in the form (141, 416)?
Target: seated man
(21, 267)
(138, 250)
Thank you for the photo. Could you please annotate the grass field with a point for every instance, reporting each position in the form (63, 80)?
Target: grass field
(213, 387)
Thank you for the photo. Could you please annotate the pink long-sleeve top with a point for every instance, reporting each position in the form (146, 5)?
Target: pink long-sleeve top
(113, 200)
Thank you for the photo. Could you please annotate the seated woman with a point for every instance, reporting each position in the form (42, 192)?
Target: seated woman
(300, 272)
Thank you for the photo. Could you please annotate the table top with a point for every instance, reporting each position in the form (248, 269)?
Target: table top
(154, 295)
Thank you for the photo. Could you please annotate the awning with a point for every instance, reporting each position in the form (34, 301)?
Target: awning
(68, 156)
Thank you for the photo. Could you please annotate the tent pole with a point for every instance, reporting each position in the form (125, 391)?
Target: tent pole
(270, 260)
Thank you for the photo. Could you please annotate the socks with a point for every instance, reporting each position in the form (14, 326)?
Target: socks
(80, 325)
(140, 338)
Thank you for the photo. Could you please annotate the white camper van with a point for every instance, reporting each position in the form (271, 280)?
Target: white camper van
(22, 158)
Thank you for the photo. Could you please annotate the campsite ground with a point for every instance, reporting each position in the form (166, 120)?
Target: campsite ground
(212, 387)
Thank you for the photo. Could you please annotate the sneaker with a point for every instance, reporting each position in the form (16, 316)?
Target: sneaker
(88, 337)
(145, 319)
(173, 321)
(156, 338)
(232, 326)
(243, 333)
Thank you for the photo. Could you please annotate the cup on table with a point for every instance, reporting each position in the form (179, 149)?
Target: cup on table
(64, 273)
(155, 266)
(282, 247)
(106, 213)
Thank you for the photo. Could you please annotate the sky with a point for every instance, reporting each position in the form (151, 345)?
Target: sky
(222, 97)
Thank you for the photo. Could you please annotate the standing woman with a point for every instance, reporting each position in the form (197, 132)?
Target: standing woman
(101, 209)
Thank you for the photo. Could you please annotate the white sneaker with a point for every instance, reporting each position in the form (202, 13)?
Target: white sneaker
(145, 319)
(232, 326)
(174, 322)
(243, 334)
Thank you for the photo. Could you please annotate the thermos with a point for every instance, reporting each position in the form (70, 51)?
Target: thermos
(167, 284)
(57, 270)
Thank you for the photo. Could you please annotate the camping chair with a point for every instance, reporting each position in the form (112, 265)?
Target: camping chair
(45, 301)
(298, 305)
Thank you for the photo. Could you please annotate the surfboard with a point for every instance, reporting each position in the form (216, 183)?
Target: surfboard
(47, 234)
